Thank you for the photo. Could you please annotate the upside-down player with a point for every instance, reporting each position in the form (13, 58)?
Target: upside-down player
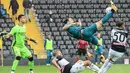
(87, 33)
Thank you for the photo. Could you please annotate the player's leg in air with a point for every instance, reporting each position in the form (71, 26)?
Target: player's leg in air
(109, 11)
(80, 65)
(88, 32)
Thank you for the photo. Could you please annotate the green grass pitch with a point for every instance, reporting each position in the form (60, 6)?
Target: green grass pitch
(116, 68)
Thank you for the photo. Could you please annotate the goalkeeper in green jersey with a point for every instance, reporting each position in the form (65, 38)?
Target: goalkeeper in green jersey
(18, 32)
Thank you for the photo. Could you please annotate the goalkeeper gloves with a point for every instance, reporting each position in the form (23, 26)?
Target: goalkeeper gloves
(33, 41)
(3, 33)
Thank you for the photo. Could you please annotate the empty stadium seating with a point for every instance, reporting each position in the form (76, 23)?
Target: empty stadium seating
(89, 11)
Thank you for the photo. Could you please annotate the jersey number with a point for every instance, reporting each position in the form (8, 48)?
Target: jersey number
(119, 37)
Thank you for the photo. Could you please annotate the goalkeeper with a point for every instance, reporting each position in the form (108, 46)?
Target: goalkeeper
(18, 33)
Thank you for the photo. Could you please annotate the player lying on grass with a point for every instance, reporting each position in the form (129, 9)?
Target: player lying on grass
(64, 66)
(87, 33)
(18, 32)
(118, 44)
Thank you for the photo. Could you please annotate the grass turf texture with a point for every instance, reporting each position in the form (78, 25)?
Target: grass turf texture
(117, 68)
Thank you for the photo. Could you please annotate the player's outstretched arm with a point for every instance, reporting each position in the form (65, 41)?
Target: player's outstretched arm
(8, 36)
(56, 65)
(79, 23)
(30, 39)
(69, 25)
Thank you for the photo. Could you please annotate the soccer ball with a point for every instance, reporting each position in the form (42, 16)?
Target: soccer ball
(108, 9)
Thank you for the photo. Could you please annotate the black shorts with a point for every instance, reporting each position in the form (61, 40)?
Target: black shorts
(67, 68)
(14, 11)
(82, 51)
(118, 48)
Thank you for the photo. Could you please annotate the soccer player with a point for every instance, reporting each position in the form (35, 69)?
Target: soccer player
(87, 33)
(18, 32)
(82, 50)
(118, 44)
(99, 50)
(64, 66)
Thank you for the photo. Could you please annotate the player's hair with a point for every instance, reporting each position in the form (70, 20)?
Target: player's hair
(55, 52)
(119, 23)
(66, 20)
(19, 17)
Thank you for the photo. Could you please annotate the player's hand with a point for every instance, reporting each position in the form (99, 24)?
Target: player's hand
(79, 22)
(89, 54)
(59, 71)
(72, 24)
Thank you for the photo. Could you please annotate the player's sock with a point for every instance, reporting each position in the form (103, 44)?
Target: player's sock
(106, 17)
(107, 67)
(31, 72)
(15, 64)
(104, 65)
(94, 67)
(90, 68)
(31, 65)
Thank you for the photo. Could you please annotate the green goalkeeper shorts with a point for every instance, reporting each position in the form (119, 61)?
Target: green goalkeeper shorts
(22, 51)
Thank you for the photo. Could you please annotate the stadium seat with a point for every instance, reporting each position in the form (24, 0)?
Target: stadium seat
(56, 33)
(66, 38)
(63, 33)
(46, 29)
(68, 42)
(101, 1)
(63, 47)
(61, 42)
(6, 53)
(65, 1)
(70, 47)
(58, 38)
(1, 20)
(57, 1)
